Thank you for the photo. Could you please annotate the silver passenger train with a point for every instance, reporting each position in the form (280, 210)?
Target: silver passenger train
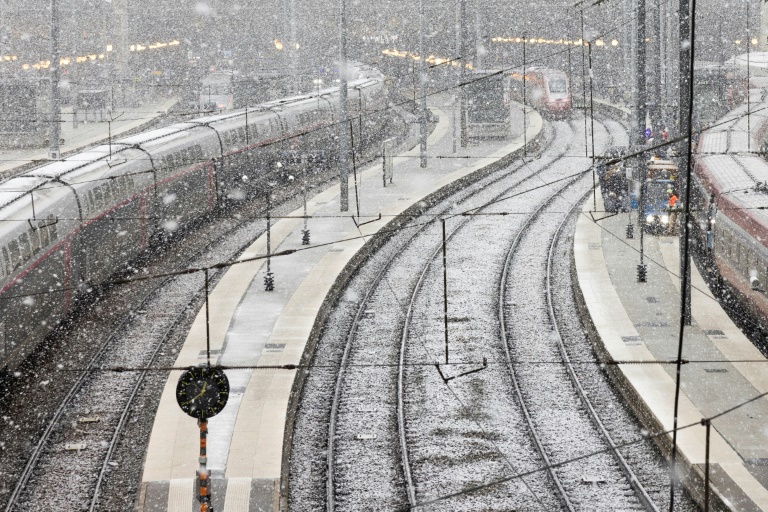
(71, 224)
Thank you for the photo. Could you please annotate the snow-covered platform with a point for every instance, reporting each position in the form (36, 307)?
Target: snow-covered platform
(252, 327)
(639, 322)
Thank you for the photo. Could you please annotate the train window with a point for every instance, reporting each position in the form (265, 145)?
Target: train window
(34, 239)
(42, 230)
(15, 253)
(197, 152)
(26, 248)
(117, 185)
(107, 190)
(52, 227)
(91, 202)
(7, 262)
(241, 133)
(98, 199)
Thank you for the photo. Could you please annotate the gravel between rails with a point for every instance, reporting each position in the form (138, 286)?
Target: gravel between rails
(467, 433)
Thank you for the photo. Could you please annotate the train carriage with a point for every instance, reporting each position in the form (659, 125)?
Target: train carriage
(70, 225)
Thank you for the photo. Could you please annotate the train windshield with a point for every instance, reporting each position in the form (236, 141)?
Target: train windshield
(557, 86)
(657, 193)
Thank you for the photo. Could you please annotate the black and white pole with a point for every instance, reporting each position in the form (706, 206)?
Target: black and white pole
(422, 91)
(203, 481)
(343, 134)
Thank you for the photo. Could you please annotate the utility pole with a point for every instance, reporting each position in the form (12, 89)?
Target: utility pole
(686, 90)
(422, 89)
(463, 72)
(642, 98)
(54, 152)
(343, 134)
(654, 71)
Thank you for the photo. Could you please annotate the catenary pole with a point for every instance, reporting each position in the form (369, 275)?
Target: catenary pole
(54, 130)
(687, 55)
(343, 134)
(422, 90)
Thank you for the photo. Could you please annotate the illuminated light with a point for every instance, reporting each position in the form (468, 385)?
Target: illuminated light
(152, 46)
(738, 41)
(754, 40)
(140, 47)
(614, 43)
(298, 46)
(133, 48)
(14, 57)
(278, 44)
(109, 47)
(25, 67)
(647, 39)
(7, 58)
(599, 42)
(439, 61)
(541, 40)
(174, 43)
(649, 219)
(517, 39)
(579, 42)
(101, 56)
(65, 62)
(92, 57)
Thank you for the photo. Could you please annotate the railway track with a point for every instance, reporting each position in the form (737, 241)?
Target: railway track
(382, 449)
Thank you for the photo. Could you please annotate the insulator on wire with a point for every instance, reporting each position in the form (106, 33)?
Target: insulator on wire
(642, 273)
(630, 230)
(304, 237)
(269, 282)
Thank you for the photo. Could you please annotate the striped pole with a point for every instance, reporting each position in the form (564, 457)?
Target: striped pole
(204, 486)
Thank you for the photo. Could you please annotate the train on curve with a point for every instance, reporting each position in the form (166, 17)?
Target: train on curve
(730, 193)
(546, 90)
(72, 224)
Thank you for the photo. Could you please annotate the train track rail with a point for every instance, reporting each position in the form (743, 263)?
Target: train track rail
(349, 341)
(403, 449)
(389, 428)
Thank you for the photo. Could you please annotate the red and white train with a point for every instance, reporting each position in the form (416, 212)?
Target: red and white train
(731, 204)
(547, 90)
(71, 224)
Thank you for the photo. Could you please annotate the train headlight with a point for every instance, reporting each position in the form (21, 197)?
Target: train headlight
(665, 219)
(649, 219)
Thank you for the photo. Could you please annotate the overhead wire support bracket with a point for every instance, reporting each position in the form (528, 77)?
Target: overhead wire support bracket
(366, 222)
(592, 214)
(468, 372)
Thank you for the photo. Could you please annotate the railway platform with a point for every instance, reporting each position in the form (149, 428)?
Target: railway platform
(639, 322)
(252, 327)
